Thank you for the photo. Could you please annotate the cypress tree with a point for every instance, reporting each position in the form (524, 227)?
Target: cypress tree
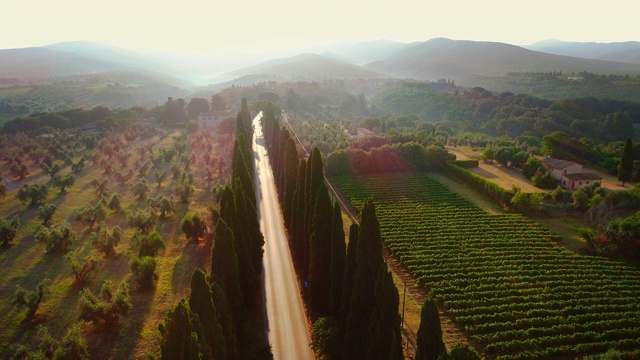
(368, 260)
(316, 177)
(320, 255)
(179, 337)
(201, 303)
(384, 340)
(301, 245)
(291, 164)
(240, 168)
(250, 241)
(245, 113)
(224, 268)
(225, 321)
(349, 274)
(625, 169)
(282, 146)
(338, 258)
(430, 344)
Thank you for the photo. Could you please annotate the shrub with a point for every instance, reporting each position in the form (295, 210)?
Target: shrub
(115, 203)
(107, 239)
(45, 212)
(140, 189)
(151, 244)
(32, 194)
(144, 268)
(163, 204)
(31, 298)
(81, 268)
(73, 345)
(544, 180)
(8, 229)
(144, 220)
(57, 239)
(104, 310)
(531, 167)
(561, 195)
(194, 226)
(465, 164)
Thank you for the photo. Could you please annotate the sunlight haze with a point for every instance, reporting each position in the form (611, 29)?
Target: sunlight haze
(253, 26)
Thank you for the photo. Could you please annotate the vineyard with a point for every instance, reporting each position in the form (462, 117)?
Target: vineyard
(517, 293)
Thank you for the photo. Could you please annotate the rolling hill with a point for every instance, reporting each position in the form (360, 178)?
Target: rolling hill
(468, 62)
(302, 67)
(628, 51)
(366, 52)
(82, 58)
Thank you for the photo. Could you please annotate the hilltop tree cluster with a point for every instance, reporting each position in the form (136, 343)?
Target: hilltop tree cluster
(349, 292)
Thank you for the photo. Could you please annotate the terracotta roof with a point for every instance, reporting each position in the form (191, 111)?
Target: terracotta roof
(557, 163)
(582, 176)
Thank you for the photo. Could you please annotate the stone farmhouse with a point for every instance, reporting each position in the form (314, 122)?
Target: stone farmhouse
(570, 174)
(211, 119)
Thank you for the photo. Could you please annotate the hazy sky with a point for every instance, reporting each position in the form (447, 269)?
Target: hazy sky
(253, 25)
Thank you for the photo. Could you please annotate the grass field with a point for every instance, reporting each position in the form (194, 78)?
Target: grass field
(8, 92)
(26, 262)
(98, 88)
(502, 277)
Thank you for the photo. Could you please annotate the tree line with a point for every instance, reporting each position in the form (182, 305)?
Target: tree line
(348, 289)
(222, 317)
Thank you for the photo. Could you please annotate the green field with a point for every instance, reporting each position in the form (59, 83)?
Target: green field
(7, 92)
(502, 277)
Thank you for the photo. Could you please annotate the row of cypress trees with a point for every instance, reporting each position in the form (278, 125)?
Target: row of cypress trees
(348, 290)
(222, 318)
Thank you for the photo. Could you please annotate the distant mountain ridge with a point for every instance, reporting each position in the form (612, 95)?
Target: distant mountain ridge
(466, 61)
(366, 52)
(628, 51)
(81, 58)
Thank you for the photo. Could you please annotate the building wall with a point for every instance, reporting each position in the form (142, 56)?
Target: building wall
(557, 173)
(577, 184)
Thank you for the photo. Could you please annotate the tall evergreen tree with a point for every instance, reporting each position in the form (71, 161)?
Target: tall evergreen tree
(282, 146)
(291, 163)
(224, 268)
(349, 274)
(201, 303)
(384, 339)
(430, 344)
(250, 243)
(625, 169)
(338, 258)
(320, 255)
(245, 113)
(313, 181)
(299, 240)
(224, 319)
(242, 169)
(179, 336)
(368, 260)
